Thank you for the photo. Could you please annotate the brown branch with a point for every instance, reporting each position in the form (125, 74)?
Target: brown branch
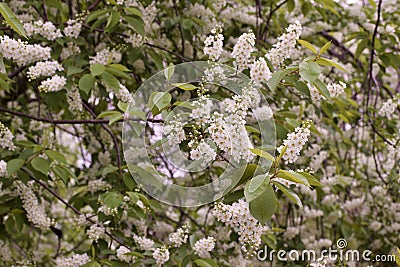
(93, 6)
(16, 72)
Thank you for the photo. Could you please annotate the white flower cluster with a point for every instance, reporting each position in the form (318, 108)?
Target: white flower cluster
(70, 50)
(310, 213)
(389, 107)
(174, 131)
(295, 142)
(143, 242)
(135, 39)
(34, 211)
(22, 52)
(263, 113)
(161, 255)
(214, 43)
(73, 29)
(259, 72)
(97, 185)
(107, 210)
(53, 84)
(95, 232)
(6, 138)
(285, 45)
(103, 57)
(121, 254)
(204, 246)
(46, 29)
(74, 100)
(336, 89)
(243, 49)
(75, 260)
(203, 151)
(3, 169)
(179, 237)
(43, 68)
(238, 215)
(123, 94)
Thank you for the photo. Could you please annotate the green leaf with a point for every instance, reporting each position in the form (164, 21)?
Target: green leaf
(206, 263)
(119, 67)
(162, 99)
(108, 170)
(110, 80)
(113, 199)
(137, 23)
(263, 207)
(97, 69)
(262, 154)
(331, 63)
(63, 173)
(185, 86)
(293, 177)
(112, 21)
(14, 165)
(308, 45)
(168, 72)
(55, 155)
(291, 5)
(92, 264)
(289, 193)
(134, 11)
(309, 71)
(256, 187)
(311, 179)
(276, 78)
(12, 20)
(322, 88)
(86, 83)
(96, 14)
(41, 165)
(324, 48)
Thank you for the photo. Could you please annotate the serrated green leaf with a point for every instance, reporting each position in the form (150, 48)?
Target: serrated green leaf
(324, 48)
(289, 193)
(263, 207)
(185, 86)
(329, 62)
(14, 165)
(41, 165)
(168, 72)
(86, 83)
(55, 155)
(256, 187)
(293, 177)
(307, 45)
(12, 20)
(262, 154)
(309, 71)
(97, 69)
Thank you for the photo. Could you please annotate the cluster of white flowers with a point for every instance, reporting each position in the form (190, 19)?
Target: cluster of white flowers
(263, 113)
(123, 94)
(336, 89)
(243, 49)
(53, 84)
(46, 29)
(203, 151)
(22, 52)
(204, 246)
(135, 39)
(74, 100)
(6, 138)
(310, 213)
(97, 185)
(161, 255)
(143, 242)
(214, 43)
(295, 142)
(389, 107)
(107, 210)
(103, 57)
(3, 169)
(75, 260)
(285, 45)
(259, 72)
(179, 237)
(73, 29)
(174, 131)
(238, 215)
(35, 212)
(121, 254)
(43, 68)
(95, 232)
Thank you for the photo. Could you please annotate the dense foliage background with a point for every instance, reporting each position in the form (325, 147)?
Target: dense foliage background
(330, 71)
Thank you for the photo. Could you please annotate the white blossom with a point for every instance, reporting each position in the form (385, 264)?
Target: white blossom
(243, 49)
(3, 169)
(179, 237)
(46, 29)
(6, 138)
(204, 246)
(53, 84)
(260, 72)
(43, 68)
(73, 29)
(143, 242)
(75, 260)
(95, 232)
(121, 254)
(213, 45)
(295, 142)
(161, 255)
